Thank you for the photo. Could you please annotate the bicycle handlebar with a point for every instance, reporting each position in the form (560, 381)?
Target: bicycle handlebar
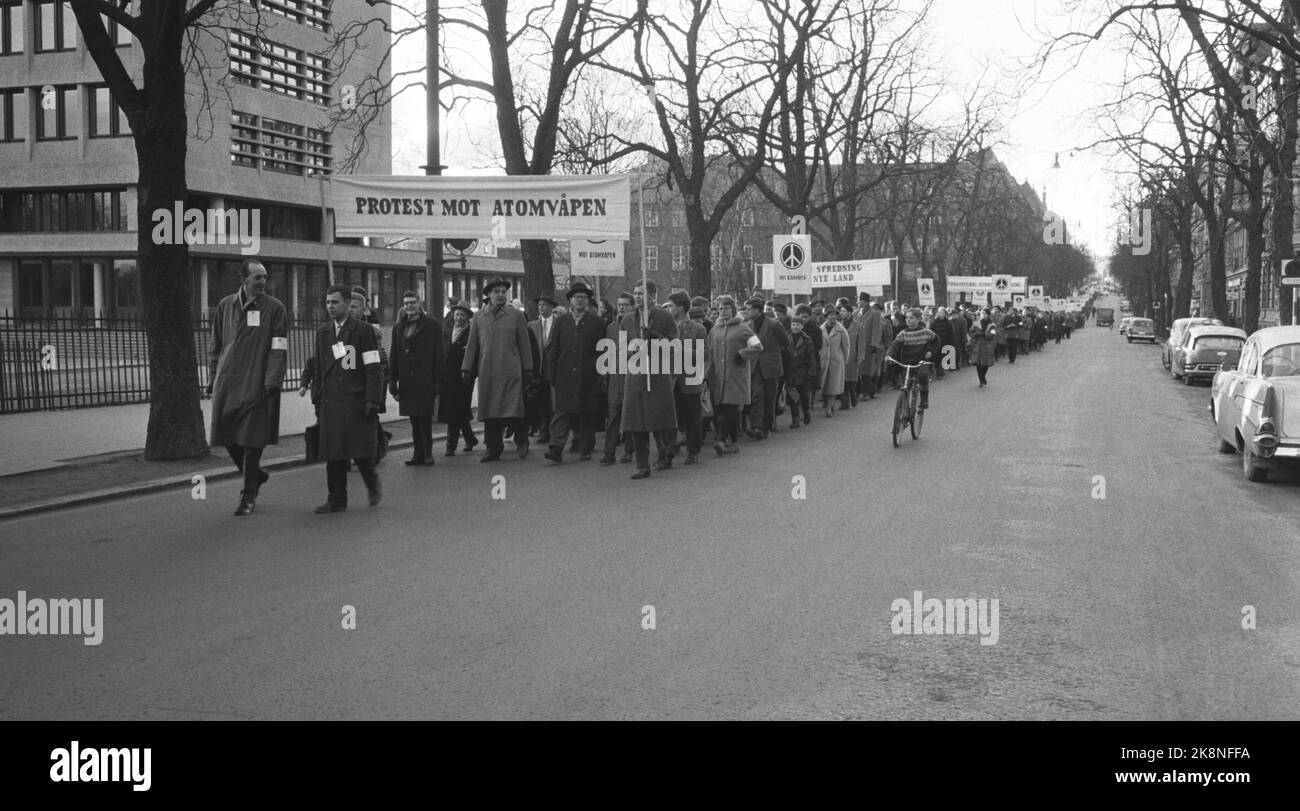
(911, 366)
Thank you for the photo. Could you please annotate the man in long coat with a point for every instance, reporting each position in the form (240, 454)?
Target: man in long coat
(960, 333)
(569, 366)
(648, 409)
(767, 371)
(455, 404)
(612, 383)
(688, 390)
(871, 345)
(248, 354)
(500, 355)
(347, 389)
(543, 330)
(416, 371)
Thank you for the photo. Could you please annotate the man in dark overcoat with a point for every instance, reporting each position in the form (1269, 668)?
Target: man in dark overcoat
(248, 354)
(455, 404)
(569, 367)
(347, 390)
(416, 368)
(648, 408)
(767, 371)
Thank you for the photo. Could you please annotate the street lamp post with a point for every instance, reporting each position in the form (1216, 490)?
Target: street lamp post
(434, 286)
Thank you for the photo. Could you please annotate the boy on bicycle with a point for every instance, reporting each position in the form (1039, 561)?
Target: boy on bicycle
(913, 344)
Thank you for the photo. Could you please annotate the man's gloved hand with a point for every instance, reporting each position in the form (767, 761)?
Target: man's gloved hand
(207, 390)
(392, 389)
(271, 391)
(467, 378)
(648, 333)
(372, 410)
(302, 392)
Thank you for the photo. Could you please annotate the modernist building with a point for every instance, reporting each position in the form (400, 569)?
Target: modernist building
(258, 140)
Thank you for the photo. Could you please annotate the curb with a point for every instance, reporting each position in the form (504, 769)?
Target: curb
(166, 483)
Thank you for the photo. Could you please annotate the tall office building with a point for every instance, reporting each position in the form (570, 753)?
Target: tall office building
(257, 140)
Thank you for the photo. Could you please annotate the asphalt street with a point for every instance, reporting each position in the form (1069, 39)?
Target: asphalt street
(766, 606)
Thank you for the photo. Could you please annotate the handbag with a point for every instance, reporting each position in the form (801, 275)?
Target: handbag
(706, 404)
(312, 438)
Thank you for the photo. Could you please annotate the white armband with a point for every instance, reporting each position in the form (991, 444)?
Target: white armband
(370, 357)
(280, 343)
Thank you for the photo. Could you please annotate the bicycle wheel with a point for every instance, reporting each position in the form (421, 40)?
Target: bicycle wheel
(918, 415)
(900, 415)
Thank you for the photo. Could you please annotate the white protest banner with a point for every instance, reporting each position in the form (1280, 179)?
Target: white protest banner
(1019, 284)
(513, 207)
(792, 261)
(1001, 289)
(925, 291)
(1036, 291)
(596, 257)
(970, 284)
(853, 273)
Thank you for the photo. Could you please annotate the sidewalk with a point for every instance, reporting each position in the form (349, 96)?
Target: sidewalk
(54, 459)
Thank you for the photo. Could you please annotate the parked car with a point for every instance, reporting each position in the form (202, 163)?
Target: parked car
(1256, 403)
(1141, 329)
(1123, 324)
(1205, 348)
(1177, 332)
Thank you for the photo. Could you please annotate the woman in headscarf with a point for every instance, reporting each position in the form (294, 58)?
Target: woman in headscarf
(731, 349)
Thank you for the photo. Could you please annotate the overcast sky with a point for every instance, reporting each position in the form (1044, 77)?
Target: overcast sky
(972, 40)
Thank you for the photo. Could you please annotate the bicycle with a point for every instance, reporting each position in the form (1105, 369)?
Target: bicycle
(908, 411)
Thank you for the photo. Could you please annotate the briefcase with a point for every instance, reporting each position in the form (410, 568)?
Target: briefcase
(312, 437)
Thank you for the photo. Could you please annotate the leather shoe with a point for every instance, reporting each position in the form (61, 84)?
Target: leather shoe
(585, 456)
(376, 493)
(331, 507)
(449, 452)
(692, 459)
(415, 461)
(246, 506)
(555, 455)
(642, 473)
(607, 459)
(491, 456)
(522, 449)
(429, 462)
(664, 463)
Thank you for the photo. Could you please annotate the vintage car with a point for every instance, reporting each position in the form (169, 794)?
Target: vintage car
(1105, 317)
(1141, 329)
(1256, 403)
(1123, 324)
(1178, 331)
(1204, 349)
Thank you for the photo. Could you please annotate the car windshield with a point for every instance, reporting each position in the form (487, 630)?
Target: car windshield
(1140, 322)
(1282, 361)
(1219, 342)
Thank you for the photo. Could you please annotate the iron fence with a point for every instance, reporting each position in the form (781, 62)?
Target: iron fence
(60, 362)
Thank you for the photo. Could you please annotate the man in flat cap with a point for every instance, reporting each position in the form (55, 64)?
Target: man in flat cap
(500, 355)
(569, 366)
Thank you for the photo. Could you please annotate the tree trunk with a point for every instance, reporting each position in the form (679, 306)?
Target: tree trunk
(1283, 201)
(176, 429)
(702, 259)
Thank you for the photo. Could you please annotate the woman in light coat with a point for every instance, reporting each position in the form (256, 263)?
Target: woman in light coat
(835, 354)
(984, 338)
(729, 357)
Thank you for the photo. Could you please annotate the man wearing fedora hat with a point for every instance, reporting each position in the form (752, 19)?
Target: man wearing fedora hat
(543, 328)
(500, 355)
(569, 366)
(454, 406)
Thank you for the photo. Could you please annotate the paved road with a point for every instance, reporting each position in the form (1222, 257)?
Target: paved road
(766, 606)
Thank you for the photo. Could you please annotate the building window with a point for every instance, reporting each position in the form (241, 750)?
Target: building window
(119, 35)
(315, 13)
(271, 66)
(679, 258)
(747, 218)
(747, 251)
(13, 115)
(56, 27)
(677, 219)
(651, 218)
(60, 113)
(106, 119)
(56, 211)
(278, 145)
(11, 28)
(651, 258)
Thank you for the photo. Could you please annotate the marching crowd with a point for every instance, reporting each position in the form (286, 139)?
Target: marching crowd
(740, 368)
